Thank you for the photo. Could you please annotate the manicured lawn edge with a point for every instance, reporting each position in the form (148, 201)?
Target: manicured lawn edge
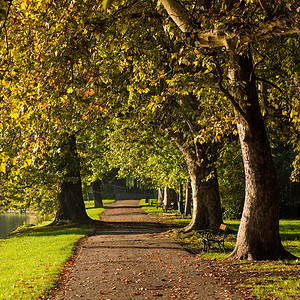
(32, 260)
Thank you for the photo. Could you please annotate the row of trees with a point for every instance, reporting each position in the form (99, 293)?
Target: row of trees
(161, 91)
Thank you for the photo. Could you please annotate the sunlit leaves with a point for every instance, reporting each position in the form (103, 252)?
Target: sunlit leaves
(4, 4)
(70, 90)
(68, 65)
(47, 90)
(107, 3)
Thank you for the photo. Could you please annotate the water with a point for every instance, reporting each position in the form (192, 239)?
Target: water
(10, 222)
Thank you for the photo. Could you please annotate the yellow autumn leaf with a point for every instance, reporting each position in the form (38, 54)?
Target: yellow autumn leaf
(3, 167)
(70, 90)
(28, 161)
(14, 114)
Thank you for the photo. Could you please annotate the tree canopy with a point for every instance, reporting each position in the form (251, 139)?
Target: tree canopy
(123, 87)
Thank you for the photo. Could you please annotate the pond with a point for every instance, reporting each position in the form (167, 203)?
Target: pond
(10, 222)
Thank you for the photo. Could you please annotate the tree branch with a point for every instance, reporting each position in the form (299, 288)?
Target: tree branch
(226, 92)
(179, 15)
(270, 83)
(229, 38)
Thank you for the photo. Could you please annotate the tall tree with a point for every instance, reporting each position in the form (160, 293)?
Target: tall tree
(258, 236)
(49, 86)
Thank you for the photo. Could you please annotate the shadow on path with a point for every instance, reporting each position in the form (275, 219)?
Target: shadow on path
(124, 228)
(131, 256)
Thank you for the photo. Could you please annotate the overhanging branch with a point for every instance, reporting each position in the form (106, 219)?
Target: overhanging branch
(179, 15)
(231, 40)
(228, 38)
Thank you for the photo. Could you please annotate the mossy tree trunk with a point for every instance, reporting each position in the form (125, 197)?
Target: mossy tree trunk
(207, 213)
(71, 208)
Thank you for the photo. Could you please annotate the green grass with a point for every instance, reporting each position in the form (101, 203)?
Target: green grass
(275, 287)
(278, 279)
(94, 213)
(266, 280)
(173, 215)
(31, 260)
(89, 204)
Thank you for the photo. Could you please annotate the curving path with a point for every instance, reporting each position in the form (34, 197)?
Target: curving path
(130, 256)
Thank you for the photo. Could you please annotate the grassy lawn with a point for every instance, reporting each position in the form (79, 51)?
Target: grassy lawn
(94, 213)
(264, 280)
(31, 261)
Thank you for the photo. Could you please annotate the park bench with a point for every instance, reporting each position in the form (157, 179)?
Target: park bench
(208, 238)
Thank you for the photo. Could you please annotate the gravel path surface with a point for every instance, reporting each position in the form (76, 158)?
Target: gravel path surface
(130, 256)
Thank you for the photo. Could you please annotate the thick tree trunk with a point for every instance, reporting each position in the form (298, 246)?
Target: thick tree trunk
(167, 198)
(71, 208)
(96, 186)
(160, 198)
(170, 197)
(188, 200)
(174, 199)
(207, 212)
(258, 236)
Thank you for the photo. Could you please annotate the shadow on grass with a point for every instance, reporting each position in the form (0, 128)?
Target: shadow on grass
(99, 227)
(56, 230)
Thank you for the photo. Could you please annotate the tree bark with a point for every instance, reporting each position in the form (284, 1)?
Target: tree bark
(188, 200)
(170, 196)
(167, 198)
(179, 15)
(258, 237)
(96, 186)
(174, 199)
(207, 213)
(71, 208)
(180, 200)
(160, 198)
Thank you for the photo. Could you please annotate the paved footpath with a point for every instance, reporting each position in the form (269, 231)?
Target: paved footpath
(130, 256)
